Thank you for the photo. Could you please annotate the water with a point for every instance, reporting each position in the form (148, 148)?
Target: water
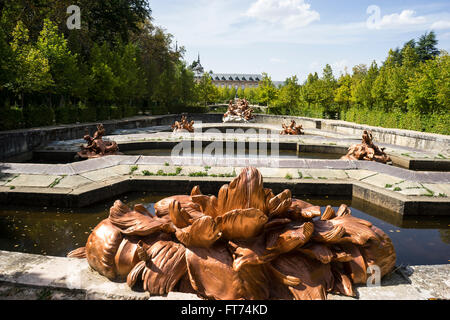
(283, 154)
(55, 232)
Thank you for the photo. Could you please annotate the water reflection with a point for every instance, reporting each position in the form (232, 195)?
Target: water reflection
(52, 231)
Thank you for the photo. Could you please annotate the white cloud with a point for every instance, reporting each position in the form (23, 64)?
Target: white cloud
(441, 25)
(395, 20)
(291, 14)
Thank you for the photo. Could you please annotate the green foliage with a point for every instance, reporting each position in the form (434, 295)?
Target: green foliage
(207, 91)
(86, 113)
(10, 118)
(38, 116)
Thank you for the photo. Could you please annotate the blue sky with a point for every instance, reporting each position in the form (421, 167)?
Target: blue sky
(296, 37)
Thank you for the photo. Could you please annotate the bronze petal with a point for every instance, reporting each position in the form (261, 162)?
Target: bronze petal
(162, 207)
(126, 257)
(342, 283)
(357, 231)
(202, 233)
(179, 216)
(355, 268)
(136, 223)
(244, 192)
(290, 237)
(208, 205)
(327, 232)
(279, 205)
(249, 252)
(211, 273)
(241, 223)
(302, 210)
(166, 267)
(316, 278)
(317, 251)
(328, 214)
(101, 248)
(380, 253)
(135, 274)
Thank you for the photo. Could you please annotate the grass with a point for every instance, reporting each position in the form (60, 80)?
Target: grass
(56, 182)
(388, 186)
(133, 169)
(167, 164)
(198, 174)
(12, 188)
(442, 195)
(430, 192)
(398, 189)
(147, 173)
(288, 176)
(406, 155)
(322, 178)
(441, 156)
(300, 175)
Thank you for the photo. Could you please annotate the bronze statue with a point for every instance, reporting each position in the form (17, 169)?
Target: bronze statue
(96, 147)
(246, 243)
(367, 150)
(183, 125)
(239, 111)
(292, 130)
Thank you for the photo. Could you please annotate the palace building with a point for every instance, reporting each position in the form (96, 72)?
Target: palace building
(230, 80)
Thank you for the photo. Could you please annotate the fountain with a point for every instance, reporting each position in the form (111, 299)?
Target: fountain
(246, 243)
(292, 130)
(239, 112)
(367, 150)
(97, 147)
(183, 125)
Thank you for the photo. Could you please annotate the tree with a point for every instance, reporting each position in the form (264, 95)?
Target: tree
(362, 84)
(267, 91)
(427, 46)
(32, 68)
(63, 64)
(289, 94)
(207, 91)
(343, 93)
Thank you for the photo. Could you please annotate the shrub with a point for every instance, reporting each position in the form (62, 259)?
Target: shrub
(86, 113)
(10, 118)
(102, 113)
(66, 114)
(115, 112)
(38, 116)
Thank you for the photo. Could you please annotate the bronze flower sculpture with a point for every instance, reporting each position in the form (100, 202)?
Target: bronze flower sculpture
(184, 124)
(367, 150)
(246, 243)
(292, 130)
(239, 112)
(97, 147)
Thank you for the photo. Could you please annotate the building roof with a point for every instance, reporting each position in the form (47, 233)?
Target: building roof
(236, 77)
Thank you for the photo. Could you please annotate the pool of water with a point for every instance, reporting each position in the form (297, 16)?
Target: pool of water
(282, 154)
(55, 232)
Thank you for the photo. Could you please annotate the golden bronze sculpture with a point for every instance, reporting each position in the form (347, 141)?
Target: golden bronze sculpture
(246, 243)
(239, 111)
(183, 125)
(367, 150)
(96, 147)
(292, 130)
